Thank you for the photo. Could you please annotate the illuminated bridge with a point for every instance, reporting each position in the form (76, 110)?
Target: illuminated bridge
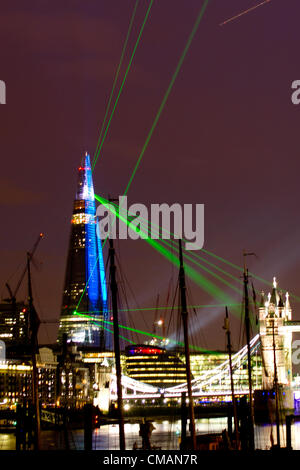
(214, 382)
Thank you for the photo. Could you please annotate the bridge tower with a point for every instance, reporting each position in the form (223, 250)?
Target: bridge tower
(275, 316)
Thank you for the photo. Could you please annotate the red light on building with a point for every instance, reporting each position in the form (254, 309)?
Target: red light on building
(145, 350)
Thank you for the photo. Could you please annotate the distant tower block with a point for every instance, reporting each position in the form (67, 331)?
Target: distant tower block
(85, 284)
(275, 327)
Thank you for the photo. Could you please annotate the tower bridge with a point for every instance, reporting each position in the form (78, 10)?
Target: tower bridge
(211, 383)
(273, 343)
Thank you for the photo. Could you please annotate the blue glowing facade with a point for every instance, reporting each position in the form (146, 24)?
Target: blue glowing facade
(84, 304)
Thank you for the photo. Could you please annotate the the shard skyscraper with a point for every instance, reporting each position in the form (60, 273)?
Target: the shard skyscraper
(84, 305)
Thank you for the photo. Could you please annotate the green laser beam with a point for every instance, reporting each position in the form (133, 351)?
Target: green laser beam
(162, 105)
(166, 96)
(154, 228)
(135, 330)
(198, 278)
(163, 308)
(164, 102)
(87, 283)
(251, 274)
(122, 337)
(116, 76)
(100, 198)
(192, 253)
(123, 82)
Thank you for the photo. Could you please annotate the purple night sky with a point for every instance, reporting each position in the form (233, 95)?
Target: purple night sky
(228, 137)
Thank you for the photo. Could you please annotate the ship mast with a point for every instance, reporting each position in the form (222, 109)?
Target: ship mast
(33, 325)
(184, 315)
(114, 296)
(247, 327)
(228, 334)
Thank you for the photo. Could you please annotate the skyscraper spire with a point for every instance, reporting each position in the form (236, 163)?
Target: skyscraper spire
(85, 283)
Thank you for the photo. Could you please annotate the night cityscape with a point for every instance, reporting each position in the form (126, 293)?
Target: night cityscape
(150, 227)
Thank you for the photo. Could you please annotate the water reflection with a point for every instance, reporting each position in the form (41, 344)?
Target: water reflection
(166, 436)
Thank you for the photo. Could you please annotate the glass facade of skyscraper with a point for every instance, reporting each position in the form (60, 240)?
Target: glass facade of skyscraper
(84, 305)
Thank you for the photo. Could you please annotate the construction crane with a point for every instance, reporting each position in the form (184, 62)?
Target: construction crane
(13, 293)
(31, 340)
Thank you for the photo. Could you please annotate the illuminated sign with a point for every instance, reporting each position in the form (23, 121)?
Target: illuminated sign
(144, 350)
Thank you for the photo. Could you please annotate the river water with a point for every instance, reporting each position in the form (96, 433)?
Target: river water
(165, 436)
